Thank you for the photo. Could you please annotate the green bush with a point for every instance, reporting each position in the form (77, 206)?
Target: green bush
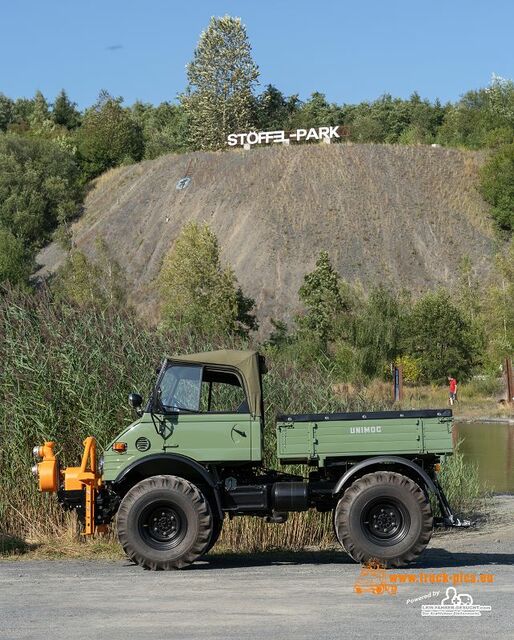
(485, 386)
(14, 265)
(346, 362)
(108, 137)
(442, 339)
(460, 482)
(497, 186)
(411, 368)
(39, 187)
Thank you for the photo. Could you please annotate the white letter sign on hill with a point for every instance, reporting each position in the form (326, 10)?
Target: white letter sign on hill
(327, 134)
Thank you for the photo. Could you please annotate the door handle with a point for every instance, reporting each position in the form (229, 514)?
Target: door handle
(241, 433)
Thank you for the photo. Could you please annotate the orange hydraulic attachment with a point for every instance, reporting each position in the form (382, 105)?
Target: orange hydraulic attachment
(48, 474)
(85, 477)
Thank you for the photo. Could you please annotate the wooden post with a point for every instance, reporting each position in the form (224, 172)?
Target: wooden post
(509, 379)
(397, 383)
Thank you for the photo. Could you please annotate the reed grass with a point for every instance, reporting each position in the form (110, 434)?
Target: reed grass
(461, 484)
(65, 373)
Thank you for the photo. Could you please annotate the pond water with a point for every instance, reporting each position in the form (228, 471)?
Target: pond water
(491, 446)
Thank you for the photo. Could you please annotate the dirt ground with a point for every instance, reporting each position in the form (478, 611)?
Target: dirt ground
(272, 596)
(381, 211)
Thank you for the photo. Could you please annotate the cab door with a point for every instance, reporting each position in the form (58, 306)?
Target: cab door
(206, 414)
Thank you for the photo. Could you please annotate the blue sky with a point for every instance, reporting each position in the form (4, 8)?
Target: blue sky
(351, 51)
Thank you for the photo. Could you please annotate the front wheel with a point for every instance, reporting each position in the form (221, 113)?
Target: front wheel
(217, 528)
(164, 522)
(385, 517)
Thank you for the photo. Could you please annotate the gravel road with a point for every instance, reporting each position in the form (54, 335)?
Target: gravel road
(273, 596)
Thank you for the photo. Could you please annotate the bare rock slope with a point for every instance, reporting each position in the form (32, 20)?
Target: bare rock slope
(393, 214)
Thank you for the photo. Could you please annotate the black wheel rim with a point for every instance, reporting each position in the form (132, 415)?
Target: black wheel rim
(162, 525)
(385, 521)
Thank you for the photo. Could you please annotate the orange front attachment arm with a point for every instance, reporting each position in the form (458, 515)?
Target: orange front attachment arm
(86, 476)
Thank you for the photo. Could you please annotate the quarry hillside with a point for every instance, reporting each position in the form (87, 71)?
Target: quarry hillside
(391, 214)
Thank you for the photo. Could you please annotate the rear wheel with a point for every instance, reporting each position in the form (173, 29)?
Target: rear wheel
(386, 517)
(164, 522)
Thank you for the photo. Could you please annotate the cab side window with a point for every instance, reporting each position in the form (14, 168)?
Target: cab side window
(222, 392)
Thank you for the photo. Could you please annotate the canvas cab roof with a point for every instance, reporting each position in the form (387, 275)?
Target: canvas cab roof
(246, 362)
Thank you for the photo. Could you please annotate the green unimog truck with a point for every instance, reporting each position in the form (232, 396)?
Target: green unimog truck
(195, 455)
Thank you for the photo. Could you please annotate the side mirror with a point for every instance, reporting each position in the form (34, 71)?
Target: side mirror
(135, 401)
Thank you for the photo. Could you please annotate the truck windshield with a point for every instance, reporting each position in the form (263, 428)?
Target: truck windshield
(180, 387)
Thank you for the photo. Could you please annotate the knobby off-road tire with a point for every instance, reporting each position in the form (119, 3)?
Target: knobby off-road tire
(216, 532)
(384, 516)
(164, 522)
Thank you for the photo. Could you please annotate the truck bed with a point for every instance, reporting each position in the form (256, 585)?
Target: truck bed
(315, 438)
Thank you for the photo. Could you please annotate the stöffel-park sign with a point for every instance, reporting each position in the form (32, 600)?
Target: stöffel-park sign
(251, 138)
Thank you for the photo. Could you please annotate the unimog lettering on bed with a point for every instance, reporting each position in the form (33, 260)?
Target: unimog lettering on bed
(195, 454)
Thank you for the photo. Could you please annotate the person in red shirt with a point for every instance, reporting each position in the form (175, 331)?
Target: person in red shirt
(453, 389)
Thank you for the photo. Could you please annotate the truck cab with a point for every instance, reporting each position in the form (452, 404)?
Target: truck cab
(206, 407)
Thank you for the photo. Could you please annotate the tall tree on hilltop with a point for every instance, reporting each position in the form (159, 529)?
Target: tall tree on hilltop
(39, 119)
(222, 74)
(65, 111)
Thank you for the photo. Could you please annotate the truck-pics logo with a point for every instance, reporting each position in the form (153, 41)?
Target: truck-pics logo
(251, 138)
(454, 604)
(373, 579)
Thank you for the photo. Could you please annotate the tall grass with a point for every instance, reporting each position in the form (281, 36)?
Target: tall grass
(65, 373)
(461, 483)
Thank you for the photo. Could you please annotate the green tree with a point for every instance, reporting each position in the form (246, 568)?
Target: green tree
(498, 313)
(316, 112)
(221, 76)
(197, 293)
(441, 337)
(497, 186)
(279, 336)
(99, 282)
(379, 330)
(274, 110)
(483, 117)
(6, 112)
(15, 267)
(164, 128)
(39, 187)
(65, 112)
(39, 119)
(109, 136)
(246, 320)
(22, 111)
(320, 293)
